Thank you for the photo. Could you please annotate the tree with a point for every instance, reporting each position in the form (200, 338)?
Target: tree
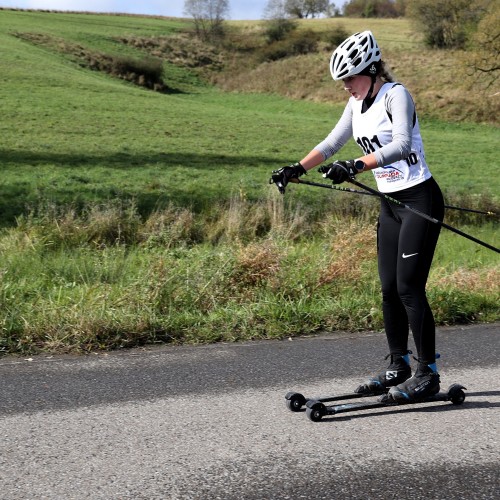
(375, 8)
(208, 16)
(446, 23)
(275, 9)
(278, 23)
(333, 11)
(305, 8)
(484, 55)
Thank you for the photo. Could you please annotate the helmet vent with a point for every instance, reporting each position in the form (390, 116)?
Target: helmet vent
(357, 61)
(353, 54)
(348, 47)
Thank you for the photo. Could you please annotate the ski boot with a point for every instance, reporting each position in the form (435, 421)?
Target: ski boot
(423, 384)
(397, 372)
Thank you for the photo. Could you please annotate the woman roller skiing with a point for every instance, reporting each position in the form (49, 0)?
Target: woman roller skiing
(380, 116)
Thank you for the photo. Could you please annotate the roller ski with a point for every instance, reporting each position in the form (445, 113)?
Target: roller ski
(316, 409)
(395, 386)
(398, 371)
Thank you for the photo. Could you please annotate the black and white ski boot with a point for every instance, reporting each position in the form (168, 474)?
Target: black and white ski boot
(423, 384)
(397, 372)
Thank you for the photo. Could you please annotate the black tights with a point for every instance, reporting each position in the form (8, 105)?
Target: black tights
(406, 243)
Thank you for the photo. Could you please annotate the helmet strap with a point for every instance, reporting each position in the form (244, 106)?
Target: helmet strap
(368, 101)
(370, 92)
(372, 72)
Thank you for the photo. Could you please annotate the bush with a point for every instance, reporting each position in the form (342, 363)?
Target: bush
(374, 8)
(278, 29)
(144, 72)
(301, 42)
(445, 23)
(335, 37)
(151, 69)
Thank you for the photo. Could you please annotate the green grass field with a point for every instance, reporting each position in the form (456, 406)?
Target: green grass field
(69, 134)
(79, 273)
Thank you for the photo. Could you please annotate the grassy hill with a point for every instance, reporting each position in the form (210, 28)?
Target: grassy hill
(440, 81)
(134, 216)
(69, 134)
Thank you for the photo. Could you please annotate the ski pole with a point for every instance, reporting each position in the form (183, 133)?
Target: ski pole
(351, 190)
(422, 214)
(482, 212)
(333, 186)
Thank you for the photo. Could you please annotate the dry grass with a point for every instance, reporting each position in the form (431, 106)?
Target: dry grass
(104, 290)
(178, 49)
(439, 80)
(170, 227)
(353, 244)
(473, 280)
(256, 263)
(98, 226)
(392, 33)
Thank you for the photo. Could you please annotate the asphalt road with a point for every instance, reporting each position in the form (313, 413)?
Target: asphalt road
(210, 422)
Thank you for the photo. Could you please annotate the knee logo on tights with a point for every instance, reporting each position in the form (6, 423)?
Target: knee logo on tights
(409, 255)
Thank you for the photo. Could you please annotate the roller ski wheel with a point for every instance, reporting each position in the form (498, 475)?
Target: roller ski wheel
(295, 401)
(456, 394)
(315, 411)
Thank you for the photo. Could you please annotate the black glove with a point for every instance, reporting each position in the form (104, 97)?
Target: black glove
(340, 171)
(282, 176)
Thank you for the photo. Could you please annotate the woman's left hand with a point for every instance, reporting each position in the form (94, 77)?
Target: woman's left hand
(339, 171)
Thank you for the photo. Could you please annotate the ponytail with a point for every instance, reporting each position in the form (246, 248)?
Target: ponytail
(385, 73)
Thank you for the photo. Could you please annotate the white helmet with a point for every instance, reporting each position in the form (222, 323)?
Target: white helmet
(355, 55)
